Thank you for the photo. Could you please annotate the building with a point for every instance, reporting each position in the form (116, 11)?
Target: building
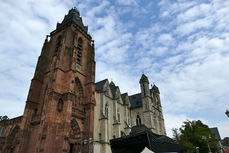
(59, 109)
(218, 138)
(116, 113)
(66, 111)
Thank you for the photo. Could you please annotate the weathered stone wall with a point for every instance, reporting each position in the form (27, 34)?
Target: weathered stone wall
(9, 134)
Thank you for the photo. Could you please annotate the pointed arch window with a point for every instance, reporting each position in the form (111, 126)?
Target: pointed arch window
(138, 120)
(144, 90)
(106, 110)
(128, 118)
(160, 124)
(78, 89)
(79, 51)
(118, 112)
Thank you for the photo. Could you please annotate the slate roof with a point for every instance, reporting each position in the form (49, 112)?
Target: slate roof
(124, 97)
(73, 16)
(113, 88)
(135, 101)
(99, 85)
(216, 132)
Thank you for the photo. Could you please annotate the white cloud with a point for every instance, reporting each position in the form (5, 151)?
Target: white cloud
(127, 2)
(184, 49)
(166, 39)
(176, 121)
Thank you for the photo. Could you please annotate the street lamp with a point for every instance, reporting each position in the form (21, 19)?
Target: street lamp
(227, 113)
(88, 142)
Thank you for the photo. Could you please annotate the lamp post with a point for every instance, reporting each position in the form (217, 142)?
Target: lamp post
(227, 113)
(88, 142)
(206, 139)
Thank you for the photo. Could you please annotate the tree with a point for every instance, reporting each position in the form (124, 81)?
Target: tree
(176, 134)
(4, 118)
(192, 134)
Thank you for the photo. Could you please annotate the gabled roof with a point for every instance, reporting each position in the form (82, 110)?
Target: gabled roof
(135, 100)
(124, 98)
(73, 16)
(99, 85)
(113, 88)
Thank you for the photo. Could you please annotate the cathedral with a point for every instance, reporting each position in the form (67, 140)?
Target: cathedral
(66, 111)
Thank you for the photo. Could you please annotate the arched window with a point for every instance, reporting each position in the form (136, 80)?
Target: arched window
(118, 112)
(144, 90)
(79, 51)
(160, 124)
(78, 89)
(60, 105)
(106, 110)
(138, 120)
(75, 130)
(128, 118)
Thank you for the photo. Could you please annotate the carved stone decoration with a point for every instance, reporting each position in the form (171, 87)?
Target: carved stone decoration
(75, 130)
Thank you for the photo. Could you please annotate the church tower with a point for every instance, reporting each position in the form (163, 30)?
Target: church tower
(146, 101)
(59, 111)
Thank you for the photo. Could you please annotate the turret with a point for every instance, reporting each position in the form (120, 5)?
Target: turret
(144, 84)
(156, 95)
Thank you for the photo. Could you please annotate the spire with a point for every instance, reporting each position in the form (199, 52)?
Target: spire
(112, 83)
(73, 16)
(155, 89)
(143, 79)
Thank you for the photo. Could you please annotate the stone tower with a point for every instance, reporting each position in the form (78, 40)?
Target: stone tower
(59, 111)
(146, 101)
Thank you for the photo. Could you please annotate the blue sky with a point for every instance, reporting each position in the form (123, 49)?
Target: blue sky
(181, 45)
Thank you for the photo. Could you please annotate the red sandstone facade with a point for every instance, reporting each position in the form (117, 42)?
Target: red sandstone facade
(59, 111)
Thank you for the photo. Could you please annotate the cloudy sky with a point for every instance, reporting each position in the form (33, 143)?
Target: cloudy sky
(181, 45)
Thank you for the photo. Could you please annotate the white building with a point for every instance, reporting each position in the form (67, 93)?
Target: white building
(116, 113)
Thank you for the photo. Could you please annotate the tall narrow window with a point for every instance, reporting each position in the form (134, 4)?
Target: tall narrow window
(128, 118)
(106, 110)
(155, 125)
(79, 51)
(160, 125)
(138, 120)
(144, 90)
(79, 55)
(118, 112)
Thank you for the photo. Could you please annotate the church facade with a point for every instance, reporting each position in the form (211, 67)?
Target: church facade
(116, 113)
(66, 111)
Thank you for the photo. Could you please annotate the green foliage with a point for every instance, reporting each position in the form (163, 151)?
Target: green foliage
(176, 134)
(191, 136)
(3, 118)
